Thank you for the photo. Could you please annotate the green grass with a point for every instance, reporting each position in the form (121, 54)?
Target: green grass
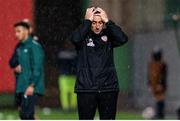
(6, 99)
(57, 114)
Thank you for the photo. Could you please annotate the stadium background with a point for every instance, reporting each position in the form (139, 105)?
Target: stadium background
(148, 23)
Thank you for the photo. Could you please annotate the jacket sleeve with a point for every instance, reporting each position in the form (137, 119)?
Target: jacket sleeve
(13, 62)
(37, 63)
(118, 36)
(80, 33)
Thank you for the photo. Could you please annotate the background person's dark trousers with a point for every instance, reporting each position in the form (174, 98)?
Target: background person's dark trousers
(106, 103)
(160, 109)
(178, 113)
(27, 109)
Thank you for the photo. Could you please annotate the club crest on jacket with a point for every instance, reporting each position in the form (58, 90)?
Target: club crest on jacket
(90, 43)
(104, 38)
(25, 50)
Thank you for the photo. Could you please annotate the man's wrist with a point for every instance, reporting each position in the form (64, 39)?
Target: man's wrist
(89, 19)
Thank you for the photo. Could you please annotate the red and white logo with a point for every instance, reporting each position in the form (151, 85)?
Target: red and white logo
(104, 38)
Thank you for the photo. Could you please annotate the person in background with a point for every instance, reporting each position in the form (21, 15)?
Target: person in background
(67, 77)
(157, 81)
(27, 62)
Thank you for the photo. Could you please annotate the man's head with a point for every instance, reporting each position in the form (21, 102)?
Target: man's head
(157, 54)
(97, 23)
(22, 30)
(29, 23)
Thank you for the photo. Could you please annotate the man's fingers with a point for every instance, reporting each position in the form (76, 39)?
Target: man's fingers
(28, 93)
(90, 9)
(94, 11)
(18, 69)
(100, 9)
(87, 10)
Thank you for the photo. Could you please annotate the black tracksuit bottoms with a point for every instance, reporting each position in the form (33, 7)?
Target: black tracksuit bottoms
(105, 102)
(26, 105)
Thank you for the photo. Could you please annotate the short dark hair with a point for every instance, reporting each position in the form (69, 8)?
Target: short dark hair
(23, 24)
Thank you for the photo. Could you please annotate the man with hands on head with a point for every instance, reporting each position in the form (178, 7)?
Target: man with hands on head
(97, 83)
(27, 61)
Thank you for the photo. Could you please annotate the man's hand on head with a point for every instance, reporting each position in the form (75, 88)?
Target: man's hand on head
(90, 13)
(18, 69)
(103, 14)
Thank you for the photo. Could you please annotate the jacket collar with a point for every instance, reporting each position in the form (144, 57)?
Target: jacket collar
(96, 35)
(29, 39)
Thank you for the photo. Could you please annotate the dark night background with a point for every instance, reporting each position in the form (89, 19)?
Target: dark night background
(54, 21)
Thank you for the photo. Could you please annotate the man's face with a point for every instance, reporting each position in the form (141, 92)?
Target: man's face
(97, 24)
(21, 33)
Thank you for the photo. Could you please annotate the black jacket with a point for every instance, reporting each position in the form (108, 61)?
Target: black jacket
(95, 65)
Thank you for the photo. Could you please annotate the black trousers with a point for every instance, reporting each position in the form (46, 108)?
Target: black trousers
(26, 105)
(160, 106)
(106, 103)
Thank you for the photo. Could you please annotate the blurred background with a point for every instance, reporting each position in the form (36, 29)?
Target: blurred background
(148, 23)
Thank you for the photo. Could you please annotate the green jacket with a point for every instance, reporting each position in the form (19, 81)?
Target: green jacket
(30, 55)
